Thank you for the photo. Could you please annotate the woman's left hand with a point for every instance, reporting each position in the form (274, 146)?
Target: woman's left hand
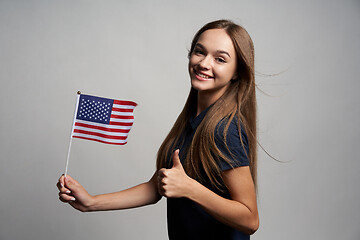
(174, 182)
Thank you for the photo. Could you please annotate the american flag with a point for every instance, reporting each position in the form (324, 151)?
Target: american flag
(103, 120)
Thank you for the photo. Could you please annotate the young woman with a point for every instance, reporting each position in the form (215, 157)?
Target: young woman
(206, 166)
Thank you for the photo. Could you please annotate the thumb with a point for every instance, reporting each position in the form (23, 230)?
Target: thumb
(176, 159)
(70, 183)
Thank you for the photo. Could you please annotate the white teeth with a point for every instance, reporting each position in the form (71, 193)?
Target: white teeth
(202, 75)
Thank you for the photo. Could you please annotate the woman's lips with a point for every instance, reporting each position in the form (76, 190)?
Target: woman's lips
(202, 76)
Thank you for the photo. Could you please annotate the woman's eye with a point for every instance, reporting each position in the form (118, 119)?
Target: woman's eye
(221, 60)
(198, 51)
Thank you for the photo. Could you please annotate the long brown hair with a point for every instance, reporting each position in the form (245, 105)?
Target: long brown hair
(238, 101)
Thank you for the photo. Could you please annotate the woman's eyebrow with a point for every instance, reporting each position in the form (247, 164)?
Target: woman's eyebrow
(218, 51)
(223, 52)
(199, 45)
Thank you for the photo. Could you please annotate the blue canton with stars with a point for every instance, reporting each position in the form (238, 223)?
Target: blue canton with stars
(94, 109)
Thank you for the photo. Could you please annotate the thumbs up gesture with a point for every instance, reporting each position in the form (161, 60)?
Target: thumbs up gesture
(174, 183)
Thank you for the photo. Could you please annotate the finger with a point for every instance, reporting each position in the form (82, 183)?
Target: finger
(62, 189)
(162, 173)
(160, 181)
(66, 198)
(161, 189)
(62, 180)
(65, 195)
(60, 184)
(70, 183)
(176, 159)
(160, 185)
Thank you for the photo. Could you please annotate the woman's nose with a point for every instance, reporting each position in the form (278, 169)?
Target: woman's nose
(205, 62)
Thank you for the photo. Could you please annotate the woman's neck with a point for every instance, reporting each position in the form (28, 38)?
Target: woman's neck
(205, 99)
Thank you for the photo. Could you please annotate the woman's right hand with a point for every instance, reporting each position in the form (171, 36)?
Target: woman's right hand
(71, 191)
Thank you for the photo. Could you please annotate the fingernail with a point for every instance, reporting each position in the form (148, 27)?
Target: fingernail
(72, 199)
(68, 191)
(62, 185)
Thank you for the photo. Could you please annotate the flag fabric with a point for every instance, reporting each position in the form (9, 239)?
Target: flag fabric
(103, 120)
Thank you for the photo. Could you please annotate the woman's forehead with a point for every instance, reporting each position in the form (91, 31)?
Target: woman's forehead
(216, 40)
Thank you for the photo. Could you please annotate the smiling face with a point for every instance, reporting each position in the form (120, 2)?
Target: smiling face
(212, 63)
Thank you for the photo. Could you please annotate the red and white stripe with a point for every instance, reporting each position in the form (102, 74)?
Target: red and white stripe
(116, 132)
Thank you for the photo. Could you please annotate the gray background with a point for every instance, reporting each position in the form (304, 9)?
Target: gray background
(307, 63)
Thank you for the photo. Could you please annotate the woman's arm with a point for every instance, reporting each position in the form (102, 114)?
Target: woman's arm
(239, 212)
(73, 193)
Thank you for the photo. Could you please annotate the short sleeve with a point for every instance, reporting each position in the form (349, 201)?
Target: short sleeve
(233, 149)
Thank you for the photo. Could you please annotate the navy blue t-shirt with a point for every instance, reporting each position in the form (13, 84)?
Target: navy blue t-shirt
(186, 219)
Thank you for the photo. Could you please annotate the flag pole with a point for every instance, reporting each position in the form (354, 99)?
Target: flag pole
(72, 131)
